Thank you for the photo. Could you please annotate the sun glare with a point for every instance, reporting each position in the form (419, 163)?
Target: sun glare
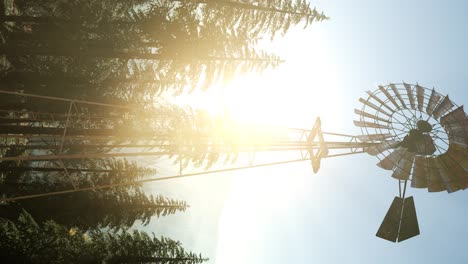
(292, 94)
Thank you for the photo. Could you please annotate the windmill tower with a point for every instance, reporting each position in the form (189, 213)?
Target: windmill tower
(417, 133)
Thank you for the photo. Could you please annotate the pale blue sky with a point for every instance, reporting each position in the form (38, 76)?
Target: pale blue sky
(289, 215)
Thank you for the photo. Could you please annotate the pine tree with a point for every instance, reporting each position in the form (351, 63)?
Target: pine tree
(25, 241)
(115, 207)
(176, 51)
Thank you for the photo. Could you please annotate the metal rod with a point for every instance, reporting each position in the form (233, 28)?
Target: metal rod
(84, 156)
(344, 154)
(399, 188)
(145, 181)
(404, 189)
(64, 99)
(338, 134)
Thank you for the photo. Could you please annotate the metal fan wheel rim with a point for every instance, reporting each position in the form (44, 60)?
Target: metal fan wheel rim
(444, 169)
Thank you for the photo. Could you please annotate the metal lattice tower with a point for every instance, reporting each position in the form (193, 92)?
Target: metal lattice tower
(417, 133)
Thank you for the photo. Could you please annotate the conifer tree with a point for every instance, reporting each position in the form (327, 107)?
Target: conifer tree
(167, 46)
(26, 241)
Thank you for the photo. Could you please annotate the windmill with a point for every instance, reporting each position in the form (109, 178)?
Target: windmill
(423, 138)
(417, 133)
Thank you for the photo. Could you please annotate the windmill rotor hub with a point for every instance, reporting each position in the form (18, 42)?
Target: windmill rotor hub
(418, 142)
(424, 126)
(416, 124)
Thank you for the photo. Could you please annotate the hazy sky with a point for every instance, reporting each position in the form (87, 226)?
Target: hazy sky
(287, 214)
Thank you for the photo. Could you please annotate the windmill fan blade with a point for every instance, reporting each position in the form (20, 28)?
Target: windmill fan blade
(448, 174)
(455, 129)
(457, 115)
(404, 166)
(455, 170)
(373, 137)
(457, 153)
(369, 124)
(391, 160)
(371, 105)
(455, 161)
(409, 92)
(362, 113)
(455, 122)
(443, 107)
(419, 179)
(420, 95)
(435, 183)
(389, 97)
(380, 101)
(433, 101)
(397, 93)
(460, 141)
(376, 150)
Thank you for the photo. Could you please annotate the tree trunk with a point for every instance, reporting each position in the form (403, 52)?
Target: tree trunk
(15, 129)
(128, 55)
(58, 169)
(138, 259)
(30, 19)
(86, 146)
(236, 4)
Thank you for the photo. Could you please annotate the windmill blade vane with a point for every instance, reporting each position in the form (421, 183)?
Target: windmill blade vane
(390, 161)
(364, 114)
(443, 107)
(419, 179)
(371, 105)
(457, 115)
(373, 137)
(404, 166)
(435, 181)
(420, 96)
(433, 101)
(369, 124)
(453, 167)
(398, 95)
(389, 96)
(455, 122)
(373, 96)
(451, 173)
(376, 150)
(409, 92)
(458, 140)
(455, 129)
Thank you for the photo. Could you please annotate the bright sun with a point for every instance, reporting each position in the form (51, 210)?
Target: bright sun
(293, 94)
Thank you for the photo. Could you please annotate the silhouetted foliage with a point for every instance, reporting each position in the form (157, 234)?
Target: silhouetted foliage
(115, 207)
(141, 50)
(26, 241)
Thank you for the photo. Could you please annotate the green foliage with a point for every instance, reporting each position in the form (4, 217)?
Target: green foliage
(265, 17)
(138, 51)
(26, 241)
(117, 207)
